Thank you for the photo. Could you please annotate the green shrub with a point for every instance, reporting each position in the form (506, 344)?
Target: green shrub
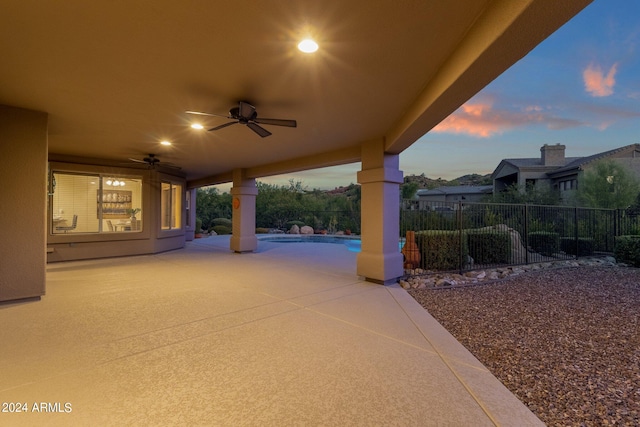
(544, 242)
(627, 250)
(222, 229)
(489, 247)
(440, 250)
(198, 225)
(262, 230)
(584, 248)
(292, 223)
(221, 221)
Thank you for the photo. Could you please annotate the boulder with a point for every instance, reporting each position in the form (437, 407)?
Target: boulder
(294, 229)
(306, 230)
(518, 251)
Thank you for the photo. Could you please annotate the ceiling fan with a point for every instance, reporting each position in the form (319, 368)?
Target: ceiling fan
(246, 114)
(151, 160)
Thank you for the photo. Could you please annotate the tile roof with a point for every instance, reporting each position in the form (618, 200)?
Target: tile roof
(570, 162)
(580, 161)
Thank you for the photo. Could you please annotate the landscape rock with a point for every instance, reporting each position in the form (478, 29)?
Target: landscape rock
(562, 339)
(294, 229)
(306, 230)
(419, 278)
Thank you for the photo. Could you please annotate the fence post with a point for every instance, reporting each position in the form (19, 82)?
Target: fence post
(575, 221)
(526, 233)
(461, 255)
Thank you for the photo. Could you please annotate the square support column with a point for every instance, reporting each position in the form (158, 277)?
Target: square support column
(380, 260)
(23, 171)
(243, 192)
(190, 229)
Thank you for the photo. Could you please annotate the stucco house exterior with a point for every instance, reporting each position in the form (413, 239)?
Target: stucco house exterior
(553, 170)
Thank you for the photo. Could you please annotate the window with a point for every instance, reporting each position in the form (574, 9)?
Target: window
(95, 203)
(568, 185)
(188, 208)
(171, 206)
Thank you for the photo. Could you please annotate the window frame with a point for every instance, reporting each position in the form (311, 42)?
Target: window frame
(61, 167)
(174, 198)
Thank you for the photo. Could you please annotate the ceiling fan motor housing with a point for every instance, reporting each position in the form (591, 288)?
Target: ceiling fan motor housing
(235, 113)
(151, 159)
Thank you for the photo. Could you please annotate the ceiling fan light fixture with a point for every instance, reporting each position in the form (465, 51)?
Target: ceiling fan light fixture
(308, 46)
(165, 142)
(197, 126)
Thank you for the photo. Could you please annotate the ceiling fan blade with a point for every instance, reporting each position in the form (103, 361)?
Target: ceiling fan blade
(168, 165)
(199, 113)
(223, 126)
(247, 110)
(258, 129)
(277, 122)
(137, 160)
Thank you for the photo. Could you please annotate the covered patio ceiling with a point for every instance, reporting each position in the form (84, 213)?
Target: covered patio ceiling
(116, 77)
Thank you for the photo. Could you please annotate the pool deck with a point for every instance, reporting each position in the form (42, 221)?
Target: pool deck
(287, 335)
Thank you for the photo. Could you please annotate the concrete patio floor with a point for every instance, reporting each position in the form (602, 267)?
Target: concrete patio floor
(287, 335)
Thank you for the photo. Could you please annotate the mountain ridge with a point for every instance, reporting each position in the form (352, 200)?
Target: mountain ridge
(429, 183)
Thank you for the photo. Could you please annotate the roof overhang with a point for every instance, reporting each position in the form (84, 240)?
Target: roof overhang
(116, 77)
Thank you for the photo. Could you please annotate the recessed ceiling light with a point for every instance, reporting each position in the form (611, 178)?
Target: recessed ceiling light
(165, 143)
(197, 126)
(308, 46)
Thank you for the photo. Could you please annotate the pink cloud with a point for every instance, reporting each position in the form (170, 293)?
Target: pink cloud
(471, 119)
(481, 120)
(596, 82)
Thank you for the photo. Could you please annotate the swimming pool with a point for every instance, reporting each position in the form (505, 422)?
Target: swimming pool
(307, 238)
(353, 243)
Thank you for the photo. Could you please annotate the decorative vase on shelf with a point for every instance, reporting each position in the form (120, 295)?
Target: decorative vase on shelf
(411, 251)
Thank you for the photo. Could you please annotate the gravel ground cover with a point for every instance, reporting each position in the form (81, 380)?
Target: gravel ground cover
(565, 341)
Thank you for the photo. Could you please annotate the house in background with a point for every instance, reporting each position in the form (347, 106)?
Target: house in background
(554, 170)
(455, 193)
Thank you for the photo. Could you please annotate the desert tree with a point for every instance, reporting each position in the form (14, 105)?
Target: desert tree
(608, 184)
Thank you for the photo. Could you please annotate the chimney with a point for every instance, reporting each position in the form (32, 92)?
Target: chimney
(552, 155)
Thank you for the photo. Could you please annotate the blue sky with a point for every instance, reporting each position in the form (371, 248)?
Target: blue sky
(580, 87)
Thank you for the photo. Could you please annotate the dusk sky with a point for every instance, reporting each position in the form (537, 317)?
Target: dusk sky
(580, 87)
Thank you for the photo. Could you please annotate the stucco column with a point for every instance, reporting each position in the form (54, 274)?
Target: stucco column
(23, 171)
(243, 192)
(380, 260)
(190, 229)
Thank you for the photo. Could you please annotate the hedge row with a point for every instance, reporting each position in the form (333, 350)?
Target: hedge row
(441, 250)
(489, 247)
(627, 250)
(544, 242)
(585, 246)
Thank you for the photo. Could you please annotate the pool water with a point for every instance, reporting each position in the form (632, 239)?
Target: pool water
(308, 238)
(353, 243)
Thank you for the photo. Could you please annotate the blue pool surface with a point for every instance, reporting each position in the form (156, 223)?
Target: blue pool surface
(353, 243)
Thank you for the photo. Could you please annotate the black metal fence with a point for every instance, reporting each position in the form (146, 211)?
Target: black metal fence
(464, 236)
